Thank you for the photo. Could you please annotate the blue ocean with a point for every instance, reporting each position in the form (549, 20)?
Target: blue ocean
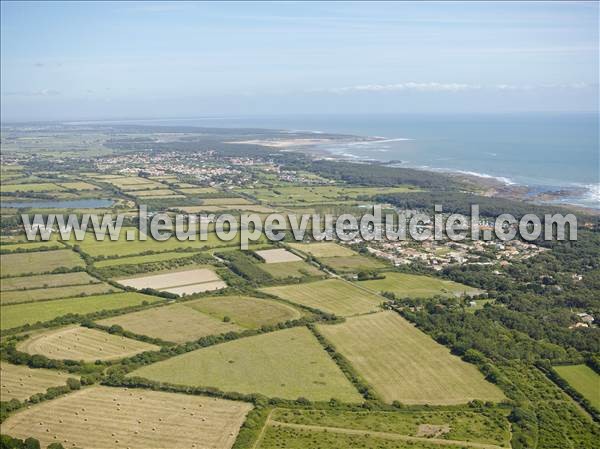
(545, 151)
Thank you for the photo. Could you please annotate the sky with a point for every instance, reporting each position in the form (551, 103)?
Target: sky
(68, 61)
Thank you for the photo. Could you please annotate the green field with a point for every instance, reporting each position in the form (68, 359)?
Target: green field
(176, 323)
(78, 185)
(39, 187)
(323, 249)
(352, 264)
(31, 246)
(137, 260)
(283, 270)
(245, 311)
(30, 313)
(289, 364)
(490, 427)
(331, 295)
(583, 379)
(291, 195)
(42, 294)
(47, 280)
(39, 262)
(404, 364)
(122, 247)
(411, 285)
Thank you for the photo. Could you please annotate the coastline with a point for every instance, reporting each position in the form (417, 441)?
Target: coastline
(484, 184)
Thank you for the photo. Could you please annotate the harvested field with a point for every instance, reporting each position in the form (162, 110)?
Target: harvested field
(246, 311)
(277, 255)
(21, 382)
(583, 379)
(43, 294)
(176, 278)
(39, 262)
(177, 323)
(331, 295)
(402, 363)
(289, 363)
(406, 285)
(47, 280)
(196, 288)
(283, 270)
(30, 313)
(111, 418)
(323, 249)
(82, 343)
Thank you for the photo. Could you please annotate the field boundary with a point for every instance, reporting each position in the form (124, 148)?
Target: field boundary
(361, 385)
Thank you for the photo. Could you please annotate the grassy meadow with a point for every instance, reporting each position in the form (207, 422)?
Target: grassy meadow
(245, 311)
(177, 323)
(411, 285)
(289, 364)
(30, 313)
(39, 262)
(583, 379)
(330, 295)
(404, 364)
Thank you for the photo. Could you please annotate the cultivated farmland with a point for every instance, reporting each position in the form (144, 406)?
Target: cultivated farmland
(277, 255)
(283, 270)
(42, 294)
(289, 363)
(411, 285)
(246, 311)
(583, 379)
(177, 323)
(137, 260)
(30, 313)
(197, 288)
(46, 281)
(331, 295)
(81, 343)
(323, 249)
(39, 262)
(353, 263)
(123, 247)
(404, 364)
(21, 382)
(112, 418)
(178, 282)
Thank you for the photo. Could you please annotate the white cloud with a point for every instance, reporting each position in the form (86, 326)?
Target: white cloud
(446, 87)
